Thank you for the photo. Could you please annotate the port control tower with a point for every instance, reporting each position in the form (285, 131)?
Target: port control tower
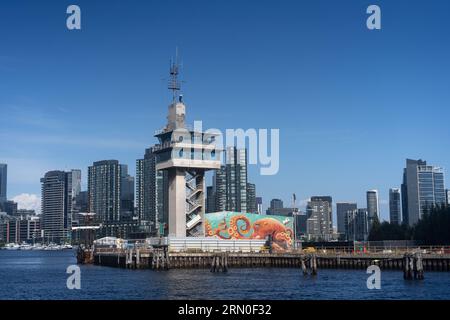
(186, 154)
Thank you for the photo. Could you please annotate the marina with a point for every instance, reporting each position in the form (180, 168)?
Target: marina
(40, 247)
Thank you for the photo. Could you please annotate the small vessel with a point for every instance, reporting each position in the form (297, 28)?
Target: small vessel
(25, 247)
(12, 246)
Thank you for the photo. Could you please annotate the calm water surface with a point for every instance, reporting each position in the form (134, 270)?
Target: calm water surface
(42, 275)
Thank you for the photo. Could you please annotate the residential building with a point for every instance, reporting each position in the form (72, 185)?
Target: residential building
(319, 223)
(56, 206)
(151, 194)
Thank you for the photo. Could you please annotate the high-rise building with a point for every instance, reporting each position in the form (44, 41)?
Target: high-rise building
(276, 204)
(111, 198)
(9, 206)
(56, 206)
(358, 224)
(76, 189)
(422, 188)
(342, 209)
(151, 194)
(220, 189)
(447, 194)
(395, 213)
(104, 186)
(230, 182)
(277, 209)
(259, 205)
(251, 198)
(3, 182)
(126, 194)
(319, 223)
(301, 224)
(373, 206)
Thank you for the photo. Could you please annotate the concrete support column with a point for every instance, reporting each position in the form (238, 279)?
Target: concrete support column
(177, 203)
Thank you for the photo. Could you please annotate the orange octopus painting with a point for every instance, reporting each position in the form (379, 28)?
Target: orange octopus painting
(234, 225)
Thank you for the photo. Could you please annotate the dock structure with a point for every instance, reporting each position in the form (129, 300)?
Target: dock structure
(161, 259)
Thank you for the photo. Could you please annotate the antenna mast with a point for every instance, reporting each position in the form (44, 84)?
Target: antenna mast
(174, 84)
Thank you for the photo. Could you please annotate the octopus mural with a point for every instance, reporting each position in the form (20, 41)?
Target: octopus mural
(232, 225)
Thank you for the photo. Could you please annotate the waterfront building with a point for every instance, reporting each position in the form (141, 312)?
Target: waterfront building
(104, 179)
(20, 229)
(395, 214)
(3, 182)
(185, 154)
(342, 209)
(110, 195)
(319, 223)
(251, 198)
(422, 188)
(373, 206)
(56, 206)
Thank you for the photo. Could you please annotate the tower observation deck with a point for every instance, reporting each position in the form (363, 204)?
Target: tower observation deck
(186, 155)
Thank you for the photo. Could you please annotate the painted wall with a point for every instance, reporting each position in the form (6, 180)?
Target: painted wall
(239, 225)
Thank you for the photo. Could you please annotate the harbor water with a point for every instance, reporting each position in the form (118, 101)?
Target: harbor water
(42, 275)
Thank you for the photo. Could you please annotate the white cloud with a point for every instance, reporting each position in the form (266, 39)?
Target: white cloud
(29, 202)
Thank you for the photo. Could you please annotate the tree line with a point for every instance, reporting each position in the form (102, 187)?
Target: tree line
(432, 229)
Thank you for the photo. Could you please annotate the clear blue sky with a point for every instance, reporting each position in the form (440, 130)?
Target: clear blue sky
(351, 104)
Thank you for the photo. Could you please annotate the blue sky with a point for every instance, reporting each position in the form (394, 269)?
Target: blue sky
(351, 104)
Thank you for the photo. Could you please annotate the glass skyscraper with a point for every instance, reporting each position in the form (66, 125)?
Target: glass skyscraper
(395, 214)
(373, 207)
(422, 188)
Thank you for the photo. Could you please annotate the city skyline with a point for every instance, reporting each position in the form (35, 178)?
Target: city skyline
(45, 125)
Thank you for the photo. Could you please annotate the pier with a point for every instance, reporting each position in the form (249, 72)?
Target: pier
(161, 259)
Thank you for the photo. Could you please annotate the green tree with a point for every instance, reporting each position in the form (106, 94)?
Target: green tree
(388, 231)
(434, 226)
